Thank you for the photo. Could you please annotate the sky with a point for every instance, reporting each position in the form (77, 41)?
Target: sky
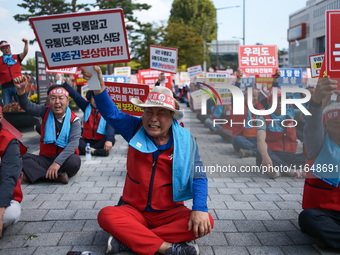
(266, 21)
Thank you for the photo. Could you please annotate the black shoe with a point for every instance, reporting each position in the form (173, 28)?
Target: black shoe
(114, 246)
(184, 248)
(63, 178)
(101, 153)
(25, 178)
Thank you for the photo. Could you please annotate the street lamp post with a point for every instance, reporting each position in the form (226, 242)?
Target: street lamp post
(216, 9)
(204, 53)
(244, 22)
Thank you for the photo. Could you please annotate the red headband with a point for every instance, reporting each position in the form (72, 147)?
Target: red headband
(58, 91)
(332, 115)
(0, 109)
(162, 98)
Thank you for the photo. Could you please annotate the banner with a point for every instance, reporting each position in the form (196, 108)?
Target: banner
(315, 62)
(216, 77)
(333, 45)
(290, 77)
(122, 93)
(124, 70)
(43, 82)
(84, 90)
(150, 77)
(194, 71)
(258, 59)
(115, 78)
(78, 78)
(163, 59)
(71, 70)
(82, 39)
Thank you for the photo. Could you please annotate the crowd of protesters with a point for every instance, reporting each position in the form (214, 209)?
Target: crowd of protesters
(162, 157)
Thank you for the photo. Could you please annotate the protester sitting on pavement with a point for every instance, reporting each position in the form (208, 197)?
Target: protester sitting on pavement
(153, 217)
(10, 68)
(321, 200)
(96, 132)
(276, 143)
(245, 135)
(11, 151)
(60, 132)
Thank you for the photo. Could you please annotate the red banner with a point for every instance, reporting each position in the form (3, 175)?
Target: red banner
(78, 78)
(150, 77)
(258, 59)
(122, 93)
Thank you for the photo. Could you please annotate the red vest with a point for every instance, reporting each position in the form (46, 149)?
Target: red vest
(281, 141)
(8, 73)
(318, 194)
(5, 138)
(238, 128)
(90, 127)
(51, 149)
(148, 182)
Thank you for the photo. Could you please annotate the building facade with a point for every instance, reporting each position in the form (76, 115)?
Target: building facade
(311, 21)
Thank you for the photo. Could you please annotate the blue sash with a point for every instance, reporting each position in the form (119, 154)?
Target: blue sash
(275, 127)
(50, 135)
(102, 122)
(329, 155)
(9, 60)
(184, 153)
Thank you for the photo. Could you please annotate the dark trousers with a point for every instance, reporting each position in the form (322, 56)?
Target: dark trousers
(288, 159)
(95, 144)
(299, 130)
(246, 143)
(324, 225)
(36, 166)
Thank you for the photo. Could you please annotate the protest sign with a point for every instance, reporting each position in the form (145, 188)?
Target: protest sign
(124, 70)
(71, 70)
(246, 82)
(225, 96)
(290, 77)
(82, 39)
(197, 98)
(333, 45)
(258, 59)
(43, 82)
(122, 93)
(84, 90)
(163, 59)
(216, 77)
(194, 71)
(78, 78)
(150, 77)
(315, 62)
(264, 78)
(115, 78)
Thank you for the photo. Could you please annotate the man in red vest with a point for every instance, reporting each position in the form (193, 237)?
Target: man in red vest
(163, 170)
(321, 196)
(276, 141)
(60, 132)
(10, 69)
(99, 134)
(11, 151)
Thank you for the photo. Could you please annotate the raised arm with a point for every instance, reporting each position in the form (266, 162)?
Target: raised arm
(80, 101)
(24, 53)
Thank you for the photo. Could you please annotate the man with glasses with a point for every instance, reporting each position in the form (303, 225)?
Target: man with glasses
(60, 132)
(10, 68)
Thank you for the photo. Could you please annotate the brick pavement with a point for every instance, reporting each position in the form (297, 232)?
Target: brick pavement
(253, 214)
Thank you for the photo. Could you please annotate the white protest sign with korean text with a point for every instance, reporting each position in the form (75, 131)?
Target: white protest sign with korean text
(315, 62)
(258, 59)
(71, 70)
(82, 39)
(216, 77)
(124, 70)
(163, 59)
(194, 71)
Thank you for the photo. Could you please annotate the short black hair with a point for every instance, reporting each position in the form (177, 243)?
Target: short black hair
(88, 95)
(55, 87)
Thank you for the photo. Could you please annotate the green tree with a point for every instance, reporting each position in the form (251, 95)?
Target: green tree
(131, 22)
(30, 65)
(43, 7)
(188, 43)
(197, 14)
(147, 34)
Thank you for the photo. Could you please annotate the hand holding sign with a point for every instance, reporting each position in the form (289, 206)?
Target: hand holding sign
(87, 75)
(324, 89)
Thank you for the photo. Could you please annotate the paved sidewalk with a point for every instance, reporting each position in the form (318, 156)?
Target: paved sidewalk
(253, 214)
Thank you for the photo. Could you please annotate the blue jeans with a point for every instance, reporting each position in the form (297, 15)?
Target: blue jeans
(241, 142)
(7, 95)
(283, 158)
